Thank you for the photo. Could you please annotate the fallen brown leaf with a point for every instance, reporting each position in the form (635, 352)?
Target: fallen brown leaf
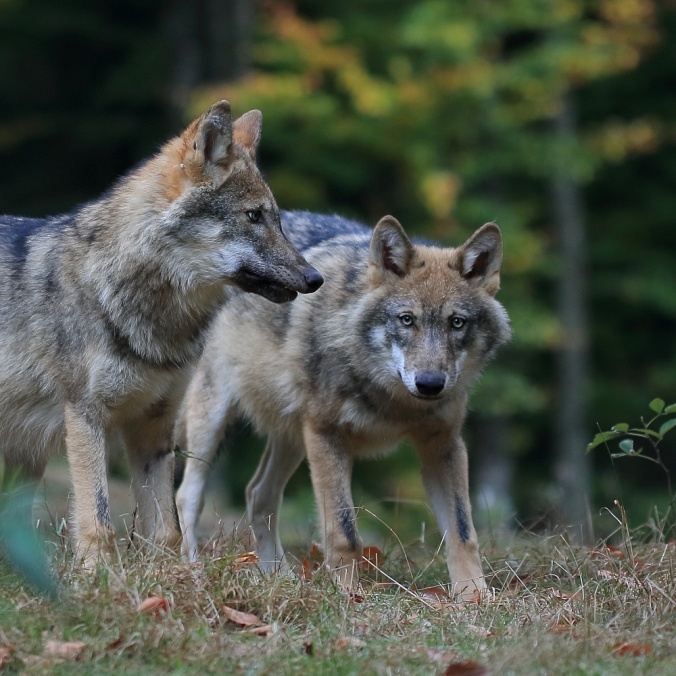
(436, 593)
(246, 560)
(466, 668)
(68, 650)
(372, 556)
(350, 642)
(6, 655)
(117, 643)
(312, 562)
(607, 551)
(631, 649)
(356, 597)
(558, 594)
(239, 617)
(263, 630)
(153, 605)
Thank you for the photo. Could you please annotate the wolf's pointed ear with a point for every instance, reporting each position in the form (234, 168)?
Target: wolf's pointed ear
(391, 249)
(247, 131)
(481, 258)
(213, 136)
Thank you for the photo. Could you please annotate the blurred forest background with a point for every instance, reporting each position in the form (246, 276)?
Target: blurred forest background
(556, 118)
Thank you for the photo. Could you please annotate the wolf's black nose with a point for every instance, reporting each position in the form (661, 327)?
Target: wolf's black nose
(313, 279)
(430, 383)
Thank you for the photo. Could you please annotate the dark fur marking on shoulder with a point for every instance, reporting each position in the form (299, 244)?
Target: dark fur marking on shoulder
(461, 520)
(125, 349)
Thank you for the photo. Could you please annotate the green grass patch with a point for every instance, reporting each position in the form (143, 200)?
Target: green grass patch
(555, 609)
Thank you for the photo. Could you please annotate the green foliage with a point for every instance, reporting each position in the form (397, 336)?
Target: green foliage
(438, 111)
(651, 432)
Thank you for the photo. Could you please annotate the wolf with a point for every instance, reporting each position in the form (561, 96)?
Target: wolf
(387, 350)
(103, 312)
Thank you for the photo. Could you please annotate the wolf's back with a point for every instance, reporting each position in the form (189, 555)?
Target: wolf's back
(306, 230)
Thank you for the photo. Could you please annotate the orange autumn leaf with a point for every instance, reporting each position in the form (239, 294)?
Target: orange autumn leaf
(153, 605)
(607, 551)
(6, 656)
(245, 560)
(69, 650)
(307, 571)
(631, 649)
(239, 617)
(372, 556)
(311, 562)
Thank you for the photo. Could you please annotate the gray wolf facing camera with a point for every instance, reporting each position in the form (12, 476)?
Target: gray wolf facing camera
(387, 350)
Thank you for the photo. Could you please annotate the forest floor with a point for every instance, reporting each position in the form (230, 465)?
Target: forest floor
(554, 609)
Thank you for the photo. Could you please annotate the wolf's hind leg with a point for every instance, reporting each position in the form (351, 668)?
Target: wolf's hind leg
(151, 463)
(264, 494)
(205, 416)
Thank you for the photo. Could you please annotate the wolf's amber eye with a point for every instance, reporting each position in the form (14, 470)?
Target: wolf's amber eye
(457, 322)
(406, 319)
(254, 215)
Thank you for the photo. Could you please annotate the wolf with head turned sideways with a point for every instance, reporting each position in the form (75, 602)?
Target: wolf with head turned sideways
(104, 311)
(386, 350)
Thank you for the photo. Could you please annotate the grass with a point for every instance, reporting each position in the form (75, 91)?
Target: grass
(556, 609)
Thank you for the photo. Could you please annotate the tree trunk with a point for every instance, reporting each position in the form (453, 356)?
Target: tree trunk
(210, 42)
(491, 471)
(571, 467)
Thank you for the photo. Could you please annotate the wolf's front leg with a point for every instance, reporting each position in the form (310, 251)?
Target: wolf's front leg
(151, 462)
(86, 449)
(331, 472)
(445, 476)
